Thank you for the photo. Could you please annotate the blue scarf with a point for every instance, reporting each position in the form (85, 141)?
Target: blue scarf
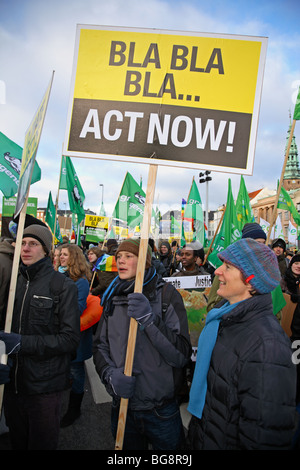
(62, 269)
(206, 345)
(122, 287)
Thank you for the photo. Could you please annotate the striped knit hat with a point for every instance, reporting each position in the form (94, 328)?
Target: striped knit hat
(256, 261)
(133, 246)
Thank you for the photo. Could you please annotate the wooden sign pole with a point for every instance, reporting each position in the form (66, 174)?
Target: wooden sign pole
(138, 288)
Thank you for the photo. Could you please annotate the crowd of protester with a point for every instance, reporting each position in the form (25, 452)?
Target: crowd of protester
(242, 391)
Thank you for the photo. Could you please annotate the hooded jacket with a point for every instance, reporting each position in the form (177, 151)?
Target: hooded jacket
(49, 334)
(162, 349)
(251, 383)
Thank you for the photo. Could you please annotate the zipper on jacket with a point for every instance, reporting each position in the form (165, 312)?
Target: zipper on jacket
(41, 297)
(21, 314)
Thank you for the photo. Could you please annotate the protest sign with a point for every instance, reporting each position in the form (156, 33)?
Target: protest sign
(95, 228)
(183, 99)
(194, 291)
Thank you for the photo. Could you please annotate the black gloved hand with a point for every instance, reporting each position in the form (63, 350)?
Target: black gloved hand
(295, 298)
(122, 385)
(139, 308)
(12, 342)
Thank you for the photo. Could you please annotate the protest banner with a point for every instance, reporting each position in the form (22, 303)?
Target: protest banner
(177, 98)
(95, 228)
(168, 98)
(32, 139)
(194, 291)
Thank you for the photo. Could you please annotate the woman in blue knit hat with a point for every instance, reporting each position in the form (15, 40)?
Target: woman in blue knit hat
(243, 390)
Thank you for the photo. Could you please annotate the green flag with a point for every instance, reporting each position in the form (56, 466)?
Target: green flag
(63, 174)
(69, 180)
(50, 220)
(131, 203)
(229, 231)
(296, 116)
(243, 207)
(285, 203)
(175, 226)
(193, 211)
(10, 167)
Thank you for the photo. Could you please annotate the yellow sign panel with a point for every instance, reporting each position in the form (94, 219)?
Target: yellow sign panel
(215, 72)
(96, 221)
(186, 99)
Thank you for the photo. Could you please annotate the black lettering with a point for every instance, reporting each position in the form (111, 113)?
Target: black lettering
(182, 57)
(146, 86)
(117, 53)
(155, 60)
(194, 60)
(169, 79)
(132, 82)
(131, 56)
(216, 53)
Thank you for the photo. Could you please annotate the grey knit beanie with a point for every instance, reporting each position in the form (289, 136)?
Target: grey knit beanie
(41, 234)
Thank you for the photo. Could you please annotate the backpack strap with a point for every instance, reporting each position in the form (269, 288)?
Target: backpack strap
(166, 295)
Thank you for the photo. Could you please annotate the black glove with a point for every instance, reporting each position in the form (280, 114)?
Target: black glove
(12, 342)
(295, 298)
(4, 374)
(122, 385)
(139, 308)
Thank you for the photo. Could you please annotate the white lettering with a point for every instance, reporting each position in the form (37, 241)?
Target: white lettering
(87, 127)
(106, 125)
(132, 123)
(155, 125)
(188, 131)
(181, 132)
(209, 130)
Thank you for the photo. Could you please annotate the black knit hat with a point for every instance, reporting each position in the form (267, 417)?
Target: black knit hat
(279, 242)
(253, 230)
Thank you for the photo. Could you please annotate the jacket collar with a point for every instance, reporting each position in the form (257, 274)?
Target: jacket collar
(29, 272)
(256, 306)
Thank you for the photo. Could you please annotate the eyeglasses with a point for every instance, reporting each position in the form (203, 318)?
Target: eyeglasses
(31, 244)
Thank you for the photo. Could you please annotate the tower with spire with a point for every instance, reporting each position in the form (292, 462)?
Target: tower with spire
(291, 178)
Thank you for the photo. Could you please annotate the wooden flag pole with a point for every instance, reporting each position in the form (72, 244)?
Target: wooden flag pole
(138, 288)
(274, 213)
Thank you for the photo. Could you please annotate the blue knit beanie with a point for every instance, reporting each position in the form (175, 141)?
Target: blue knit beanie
(256, 261)
(253, 230)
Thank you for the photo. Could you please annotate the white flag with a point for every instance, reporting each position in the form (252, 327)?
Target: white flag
(264, 225)
(277, 231)
(292, 234)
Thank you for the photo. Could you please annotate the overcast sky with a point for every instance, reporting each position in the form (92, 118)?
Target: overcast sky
(37, 37)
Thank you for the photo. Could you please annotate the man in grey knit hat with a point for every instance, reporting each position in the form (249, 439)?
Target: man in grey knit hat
(44, 336)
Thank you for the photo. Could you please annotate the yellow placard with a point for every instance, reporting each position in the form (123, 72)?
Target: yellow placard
(96, 221)
(217, 72)
(183, 99)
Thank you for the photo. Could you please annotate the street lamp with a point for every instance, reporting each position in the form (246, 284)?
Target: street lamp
(101, 208)
(205, 178)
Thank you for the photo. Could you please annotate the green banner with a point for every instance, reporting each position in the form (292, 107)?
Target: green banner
(10, 167)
